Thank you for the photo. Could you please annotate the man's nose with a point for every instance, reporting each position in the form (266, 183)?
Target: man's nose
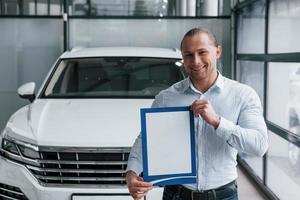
(196, 60)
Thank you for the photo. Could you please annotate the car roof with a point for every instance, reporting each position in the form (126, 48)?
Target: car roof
(122, 52)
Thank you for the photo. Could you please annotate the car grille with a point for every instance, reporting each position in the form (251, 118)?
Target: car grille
(67, 165)
(100, 167)
(8, 192)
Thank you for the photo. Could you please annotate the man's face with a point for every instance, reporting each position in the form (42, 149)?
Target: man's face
(199, 57)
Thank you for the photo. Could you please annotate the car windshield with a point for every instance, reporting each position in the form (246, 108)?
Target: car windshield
(112, 77)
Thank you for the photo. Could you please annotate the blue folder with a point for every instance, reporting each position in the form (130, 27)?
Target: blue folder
(168, 178)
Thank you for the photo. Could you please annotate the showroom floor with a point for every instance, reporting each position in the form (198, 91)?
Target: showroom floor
(246, 189)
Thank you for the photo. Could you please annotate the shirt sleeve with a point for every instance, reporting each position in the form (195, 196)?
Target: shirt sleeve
(135, 159)
(250, 134)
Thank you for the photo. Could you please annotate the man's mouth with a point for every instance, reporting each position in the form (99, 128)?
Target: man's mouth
(198, 68)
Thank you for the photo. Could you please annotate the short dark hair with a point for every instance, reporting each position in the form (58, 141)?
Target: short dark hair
(195, 31)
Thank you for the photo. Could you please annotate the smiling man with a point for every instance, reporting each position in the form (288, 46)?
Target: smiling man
(228, 120)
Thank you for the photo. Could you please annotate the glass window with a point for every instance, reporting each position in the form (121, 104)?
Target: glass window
(283, 168)
(29, 7)
(252, 74)
(24, 57)
(251, 28)
(10, 7)
(207, 7)
(78, 7)
(225, 7)
(284, 26)
(56, 7)
(120, 77)
(284, 95)
(159, 8)
(120, 7)
(42, 7)
(256, 164)
(166, 33)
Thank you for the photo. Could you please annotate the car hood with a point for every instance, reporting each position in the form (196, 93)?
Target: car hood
(78, 122)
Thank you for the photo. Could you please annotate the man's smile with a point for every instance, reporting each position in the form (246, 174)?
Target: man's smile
(198, 68)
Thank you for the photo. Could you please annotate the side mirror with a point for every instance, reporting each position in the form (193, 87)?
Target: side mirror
(26, 91)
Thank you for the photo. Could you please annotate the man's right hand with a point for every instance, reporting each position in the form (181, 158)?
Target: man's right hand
(136, 185)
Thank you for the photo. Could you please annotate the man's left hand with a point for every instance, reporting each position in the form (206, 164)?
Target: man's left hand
(203, 108)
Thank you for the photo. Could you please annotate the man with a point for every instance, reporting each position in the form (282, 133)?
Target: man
(228, 120)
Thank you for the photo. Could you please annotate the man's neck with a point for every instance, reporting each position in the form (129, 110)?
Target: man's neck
(204, 84)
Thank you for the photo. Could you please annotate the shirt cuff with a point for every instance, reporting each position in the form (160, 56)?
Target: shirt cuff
(225, 128)
(134, 166)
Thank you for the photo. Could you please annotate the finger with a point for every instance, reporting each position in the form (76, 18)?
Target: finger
(201, 107)
(199, 110)
(200, 101)
(138, 196)
(141, 183)
(198, 104)
(141, 189)
(137, 188)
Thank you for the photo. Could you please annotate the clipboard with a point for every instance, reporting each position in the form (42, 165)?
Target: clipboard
(168, 145)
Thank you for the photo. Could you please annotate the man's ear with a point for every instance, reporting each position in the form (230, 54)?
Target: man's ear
(219, 51)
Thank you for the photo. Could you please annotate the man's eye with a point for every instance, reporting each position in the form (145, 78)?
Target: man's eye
(188, 55)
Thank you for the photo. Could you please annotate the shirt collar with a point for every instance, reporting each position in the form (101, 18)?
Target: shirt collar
(219, 83)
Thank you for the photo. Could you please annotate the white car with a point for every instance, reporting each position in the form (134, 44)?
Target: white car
(72, 142)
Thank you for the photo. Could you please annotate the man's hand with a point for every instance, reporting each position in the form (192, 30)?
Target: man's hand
(203, 108)
(136, 186)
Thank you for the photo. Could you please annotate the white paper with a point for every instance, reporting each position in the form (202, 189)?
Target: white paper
(168, 143)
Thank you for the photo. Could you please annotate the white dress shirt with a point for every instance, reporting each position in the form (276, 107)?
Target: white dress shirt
(242, 129)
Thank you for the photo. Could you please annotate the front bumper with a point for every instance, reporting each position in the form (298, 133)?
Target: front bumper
(19, 176)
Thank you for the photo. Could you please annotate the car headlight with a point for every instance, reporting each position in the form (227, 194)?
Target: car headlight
(29, 151)
(19, 152)
(9, 146)
(20, 148)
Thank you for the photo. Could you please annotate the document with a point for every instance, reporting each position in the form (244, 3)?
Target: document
(168, 145)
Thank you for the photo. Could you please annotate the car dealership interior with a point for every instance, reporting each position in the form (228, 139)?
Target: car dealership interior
(260, 47)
